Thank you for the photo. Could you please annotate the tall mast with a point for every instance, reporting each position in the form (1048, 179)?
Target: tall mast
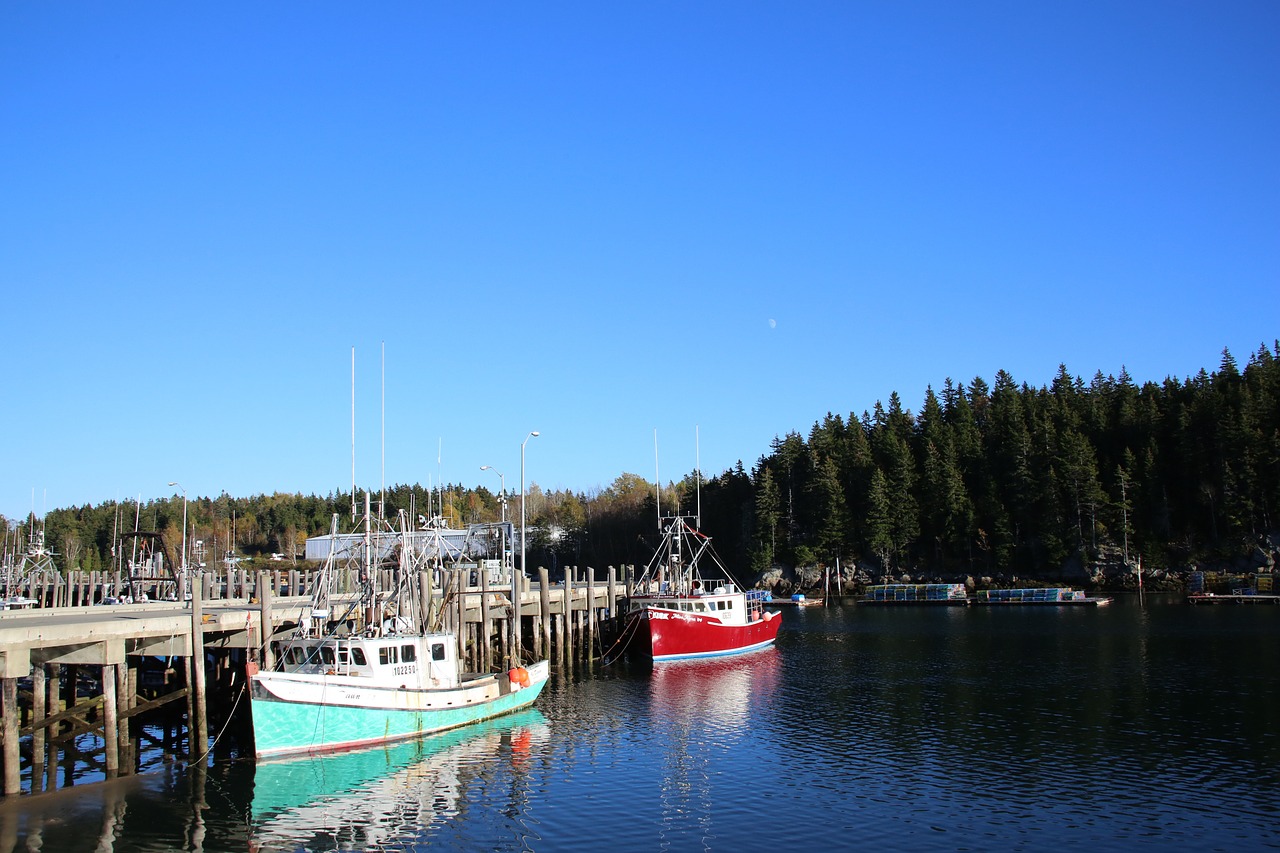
(382, 495)
(353, 433)
(657, 480)
(697, 472)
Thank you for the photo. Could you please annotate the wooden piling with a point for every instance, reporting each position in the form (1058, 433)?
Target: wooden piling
(486, 645)
(127, 692)
(613, 593)
(110, 720)
(9, 721)
(38, 688)
(51, 707)
(544, 610)
(515, 631)
(199, 725)
(590, 638)
(266, 600)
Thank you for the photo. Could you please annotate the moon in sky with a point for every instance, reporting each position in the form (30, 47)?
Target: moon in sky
(773, 324)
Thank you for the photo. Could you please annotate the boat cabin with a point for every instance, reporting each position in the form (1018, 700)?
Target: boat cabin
(427, 661)
(725, 603)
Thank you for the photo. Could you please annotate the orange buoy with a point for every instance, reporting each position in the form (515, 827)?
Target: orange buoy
(521, 676)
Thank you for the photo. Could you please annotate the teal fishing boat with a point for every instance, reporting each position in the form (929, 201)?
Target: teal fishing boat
(363, 669)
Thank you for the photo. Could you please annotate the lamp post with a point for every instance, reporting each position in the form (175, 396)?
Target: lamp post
(523, 567)
(184, 525)
(502, 499)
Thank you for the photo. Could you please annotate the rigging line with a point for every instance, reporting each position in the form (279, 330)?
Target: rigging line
(244, 688)
(633, 625)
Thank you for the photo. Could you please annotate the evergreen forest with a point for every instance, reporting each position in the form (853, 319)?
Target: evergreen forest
(987, 478)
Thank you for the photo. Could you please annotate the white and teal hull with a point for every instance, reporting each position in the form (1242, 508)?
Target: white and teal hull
(299, 713)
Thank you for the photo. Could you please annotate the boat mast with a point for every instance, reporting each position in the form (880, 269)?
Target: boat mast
(368, 572)
(657, 480)
(382, 495)
(697, 473)
(353, 433)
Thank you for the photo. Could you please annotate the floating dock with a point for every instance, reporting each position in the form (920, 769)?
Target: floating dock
(916, 593)
(1056, 596)
(954, 594)
(1232, 598)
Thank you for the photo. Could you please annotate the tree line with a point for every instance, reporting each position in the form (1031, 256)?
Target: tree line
(999, 477)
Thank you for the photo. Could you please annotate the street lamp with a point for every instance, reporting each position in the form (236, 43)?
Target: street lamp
(184, 525)
(523, 567)
(503, 497)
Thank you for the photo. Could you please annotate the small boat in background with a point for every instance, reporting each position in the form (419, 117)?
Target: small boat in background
(799, 599)
(687, 605)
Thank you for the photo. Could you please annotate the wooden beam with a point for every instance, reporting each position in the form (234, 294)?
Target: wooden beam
(71, 714)
(152, 704)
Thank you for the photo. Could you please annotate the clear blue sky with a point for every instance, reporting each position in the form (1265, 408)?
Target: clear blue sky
(598, 220)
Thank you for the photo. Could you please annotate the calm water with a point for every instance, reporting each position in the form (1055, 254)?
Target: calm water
(1150, 726)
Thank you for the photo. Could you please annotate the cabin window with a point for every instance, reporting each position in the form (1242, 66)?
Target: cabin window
(357, 657)
(684, 605)
(722, 605)
(408, 654)
(387, 655)
(326, 654)
(437, 651)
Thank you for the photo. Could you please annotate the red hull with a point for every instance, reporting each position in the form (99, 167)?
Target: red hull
(674, 635)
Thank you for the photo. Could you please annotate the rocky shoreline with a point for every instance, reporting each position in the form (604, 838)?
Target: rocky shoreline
(1111, 574)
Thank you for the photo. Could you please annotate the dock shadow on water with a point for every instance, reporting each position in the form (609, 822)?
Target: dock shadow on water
(368, 799)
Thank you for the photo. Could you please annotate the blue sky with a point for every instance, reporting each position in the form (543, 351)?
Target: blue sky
(597, 221)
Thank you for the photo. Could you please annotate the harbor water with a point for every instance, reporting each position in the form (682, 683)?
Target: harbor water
(1146, 724)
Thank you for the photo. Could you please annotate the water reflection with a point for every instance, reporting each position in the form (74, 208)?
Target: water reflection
(704, 711)
(363, 800)
(1117, 728)
(371, 798)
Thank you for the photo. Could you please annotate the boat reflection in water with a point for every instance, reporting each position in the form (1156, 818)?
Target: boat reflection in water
(715, 691)
(367, 798)
(710, 712)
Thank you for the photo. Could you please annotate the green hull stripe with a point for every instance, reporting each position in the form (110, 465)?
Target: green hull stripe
(280, 728)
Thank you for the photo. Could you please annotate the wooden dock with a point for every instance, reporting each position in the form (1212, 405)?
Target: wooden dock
(1231, 598)
(52, 656)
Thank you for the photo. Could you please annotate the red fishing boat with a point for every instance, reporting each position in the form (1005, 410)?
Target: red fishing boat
(687, 605)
